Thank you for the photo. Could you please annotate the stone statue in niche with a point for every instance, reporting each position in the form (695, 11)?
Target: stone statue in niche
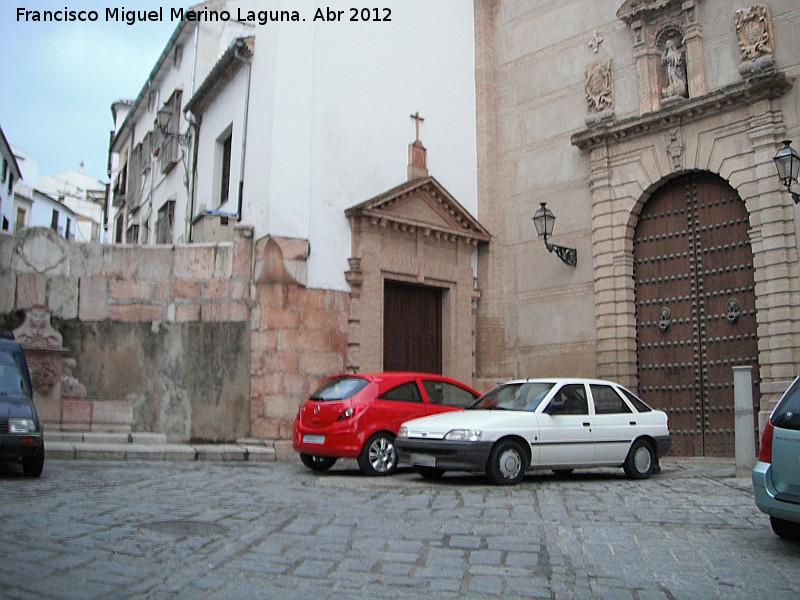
(672, 60)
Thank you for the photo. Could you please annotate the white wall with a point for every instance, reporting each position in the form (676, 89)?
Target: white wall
(330, 118)
(226, 110)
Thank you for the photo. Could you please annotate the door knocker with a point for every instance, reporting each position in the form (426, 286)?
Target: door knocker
(733, 311)
(664, 319)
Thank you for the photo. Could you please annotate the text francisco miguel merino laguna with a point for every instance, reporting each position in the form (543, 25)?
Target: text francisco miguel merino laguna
(131, 17)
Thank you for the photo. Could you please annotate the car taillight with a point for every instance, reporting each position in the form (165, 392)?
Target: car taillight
(765, 453)
(349, 412)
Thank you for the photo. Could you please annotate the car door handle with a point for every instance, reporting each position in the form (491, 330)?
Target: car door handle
(587, 424)
(633, 422)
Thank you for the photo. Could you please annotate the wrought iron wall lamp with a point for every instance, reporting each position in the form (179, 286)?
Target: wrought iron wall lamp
(544, 220)
(163, 117)
(787, 161)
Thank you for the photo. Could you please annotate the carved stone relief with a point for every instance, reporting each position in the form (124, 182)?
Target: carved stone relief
(754, 28)
(599, 92)
(675, 148)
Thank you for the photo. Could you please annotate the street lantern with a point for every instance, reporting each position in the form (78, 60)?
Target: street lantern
(544, 220)
(163, 118)
(787, 162)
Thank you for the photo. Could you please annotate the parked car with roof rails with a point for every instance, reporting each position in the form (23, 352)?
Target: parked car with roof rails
(776, 476)
(11, 346)
(559, 424)
(357, 416)
(21, 435)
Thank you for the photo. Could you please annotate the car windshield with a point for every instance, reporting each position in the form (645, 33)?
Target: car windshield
(514, 396)
(11, 381)
(339, 388)
(787, 414)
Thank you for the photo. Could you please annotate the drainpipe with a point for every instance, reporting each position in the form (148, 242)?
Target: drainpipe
(196, 123)
(248, 63)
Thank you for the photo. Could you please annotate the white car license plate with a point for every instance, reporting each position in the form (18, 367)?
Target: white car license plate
(422, 460)
(311, 438)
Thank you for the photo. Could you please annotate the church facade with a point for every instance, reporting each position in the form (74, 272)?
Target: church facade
(648, 129)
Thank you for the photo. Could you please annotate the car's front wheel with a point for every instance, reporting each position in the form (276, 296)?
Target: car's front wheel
(506, 464)
(378, 456)
(32, 467)
(787, 530)
(317, 463)
(641, 460)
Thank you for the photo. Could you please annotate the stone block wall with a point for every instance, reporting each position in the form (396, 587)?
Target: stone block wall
(202, 342)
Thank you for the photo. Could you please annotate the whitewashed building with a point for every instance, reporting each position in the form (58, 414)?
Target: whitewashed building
(10, 176)
(34, 208)
(85, 196)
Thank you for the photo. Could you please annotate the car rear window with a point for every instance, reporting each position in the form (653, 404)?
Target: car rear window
(636, 401)
(787, 413)
(339, 388)
(407, 392)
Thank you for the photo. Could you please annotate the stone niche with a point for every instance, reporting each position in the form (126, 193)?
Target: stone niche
(59, 397)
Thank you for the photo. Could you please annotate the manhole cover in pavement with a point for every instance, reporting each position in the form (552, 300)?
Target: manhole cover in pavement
(184, 528)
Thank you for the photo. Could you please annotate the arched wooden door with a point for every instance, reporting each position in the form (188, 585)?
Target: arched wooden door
(695, 309)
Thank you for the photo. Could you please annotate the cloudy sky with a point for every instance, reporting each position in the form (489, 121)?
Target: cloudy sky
(59, 79)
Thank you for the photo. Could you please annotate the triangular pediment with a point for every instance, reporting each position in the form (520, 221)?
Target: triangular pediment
(422, 204)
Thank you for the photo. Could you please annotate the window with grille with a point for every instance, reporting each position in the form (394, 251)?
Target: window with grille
(165, 222)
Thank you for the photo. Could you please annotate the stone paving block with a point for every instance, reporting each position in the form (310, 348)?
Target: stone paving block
(220, 452)
(145, 452)
(147, 438)
(105, 438)
(101, 451)
(259, 453)
(58, 450)
(179, 452)
(63, 436)
(284, 451)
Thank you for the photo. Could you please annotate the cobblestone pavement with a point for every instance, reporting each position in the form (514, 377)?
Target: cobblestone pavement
(101, 529)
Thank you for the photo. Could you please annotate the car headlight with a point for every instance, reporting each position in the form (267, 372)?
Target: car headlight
(464, 435)
(403, 432)
(21, 426)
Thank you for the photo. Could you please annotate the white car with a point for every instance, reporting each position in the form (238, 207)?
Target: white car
(559, 424)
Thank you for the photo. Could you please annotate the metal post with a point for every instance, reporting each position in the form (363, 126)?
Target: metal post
(745, 445)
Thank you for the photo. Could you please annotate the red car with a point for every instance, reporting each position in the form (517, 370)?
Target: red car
(357, 416)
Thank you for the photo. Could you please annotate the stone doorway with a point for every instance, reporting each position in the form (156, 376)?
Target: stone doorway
(695, 309)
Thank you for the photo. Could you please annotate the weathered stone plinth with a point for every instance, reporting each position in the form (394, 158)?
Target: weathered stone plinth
(59, 397)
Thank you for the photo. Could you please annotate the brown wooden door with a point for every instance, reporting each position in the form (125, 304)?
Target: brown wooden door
(695, 304)
(412, 328)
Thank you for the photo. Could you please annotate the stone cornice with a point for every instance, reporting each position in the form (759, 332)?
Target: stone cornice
(770, 86)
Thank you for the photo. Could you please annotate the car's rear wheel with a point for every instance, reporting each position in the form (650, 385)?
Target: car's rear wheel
(787, 530)
(429, 472)
(317, 463)
(32, 467)
(506, 464)
(378, 456)
(641, 460)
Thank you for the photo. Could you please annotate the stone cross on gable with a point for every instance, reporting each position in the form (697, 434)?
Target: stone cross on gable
(417, 118)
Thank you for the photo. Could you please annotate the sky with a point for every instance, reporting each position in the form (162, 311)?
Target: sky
(60, 79)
